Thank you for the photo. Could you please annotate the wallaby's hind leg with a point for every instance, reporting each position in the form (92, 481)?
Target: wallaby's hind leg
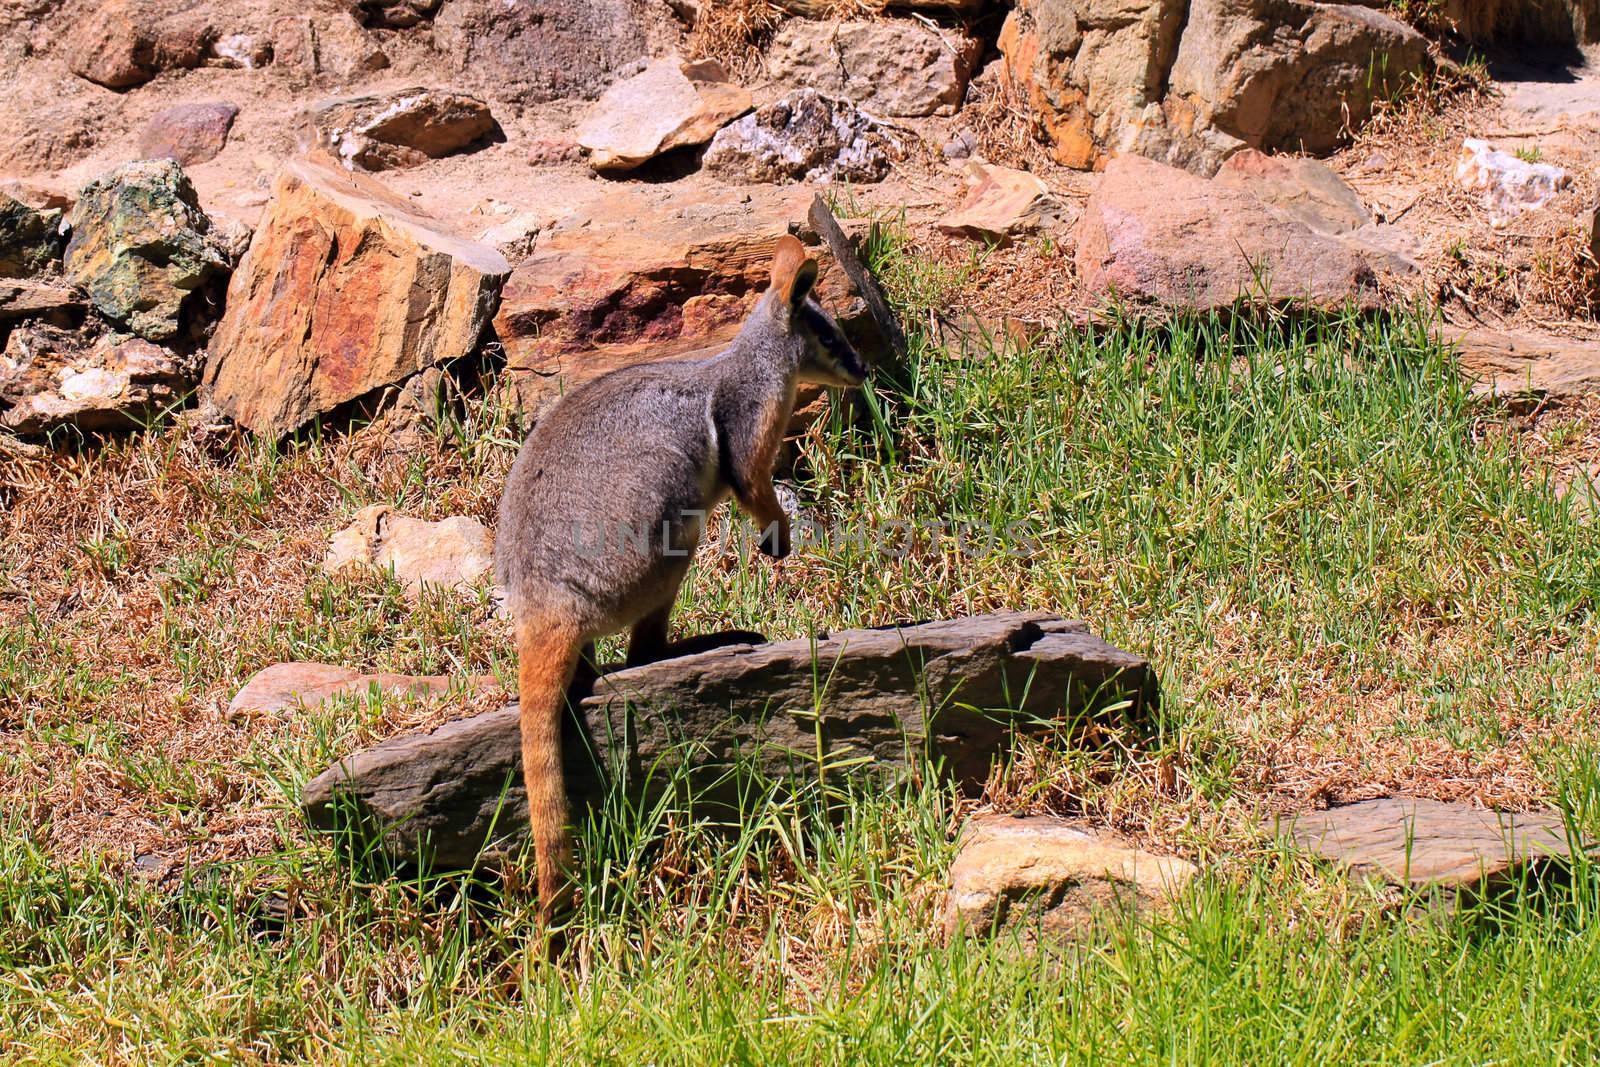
(547, 656)
(648, 641)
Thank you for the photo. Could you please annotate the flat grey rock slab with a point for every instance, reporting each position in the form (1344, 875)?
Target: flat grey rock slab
(856, 702)
(1422, 843)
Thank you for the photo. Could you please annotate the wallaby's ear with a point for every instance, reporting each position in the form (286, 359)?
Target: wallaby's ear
(793, 274)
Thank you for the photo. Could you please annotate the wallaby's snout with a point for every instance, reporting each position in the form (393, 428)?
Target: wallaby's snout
(830, 358)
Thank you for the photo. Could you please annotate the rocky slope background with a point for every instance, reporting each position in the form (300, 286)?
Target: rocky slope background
(279, 211)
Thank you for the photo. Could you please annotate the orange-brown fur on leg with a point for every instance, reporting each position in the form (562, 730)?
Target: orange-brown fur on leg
(752, 478)
(547, 658)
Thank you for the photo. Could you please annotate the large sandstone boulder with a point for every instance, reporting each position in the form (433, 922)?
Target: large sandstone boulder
(651, 273)
(123, 43)
(345, 288)
(455, 795)
(142, 248)
(401, 128)
(530, 51)
(803, 136)
(894, 67)
(30, 240)
(670, 104)
(1088, 67)
(1549, 22)
(1190, 83)
(1290, 75)
(51, 378)
(1045, 876)
(1153, 233)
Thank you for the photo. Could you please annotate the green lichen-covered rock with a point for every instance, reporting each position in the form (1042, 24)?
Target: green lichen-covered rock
(141, 247)
(28, 239)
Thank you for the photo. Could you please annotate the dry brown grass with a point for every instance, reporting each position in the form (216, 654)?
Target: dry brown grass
(92, 542)
(1535, 271)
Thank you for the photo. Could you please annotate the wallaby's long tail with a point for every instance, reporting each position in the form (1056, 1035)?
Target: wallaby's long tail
(547, 656)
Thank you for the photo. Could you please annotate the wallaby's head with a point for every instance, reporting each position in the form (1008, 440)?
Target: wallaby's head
(825, 356)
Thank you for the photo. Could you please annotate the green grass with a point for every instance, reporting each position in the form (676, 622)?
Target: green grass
(1305, 525)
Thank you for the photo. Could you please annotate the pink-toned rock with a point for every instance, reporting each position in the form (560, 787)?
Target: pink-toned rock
(530, 51)
(452, 553)
(23, 298)
(670, 104)
(1042, 875)
(1001, 203)
(345, 288)
(290, 686)
(1153, 233)
(188, 133)
(1303, 188)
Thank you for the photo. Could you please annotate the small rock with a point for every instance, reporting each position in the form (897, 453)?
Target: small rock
(141, 247)
(802, 136)
(1507, 186)
(118, 44)
(397, 14)
(290, 686)
(887, 67)
(241, 50)
(670, 104)
(516, 237)
(25, 298)
(1000, 204)
(50, 379)
(1425, 843)
(402, 129)
(547, 153)
(188, 133)
(961, 146)
(345, 289)
(341, 46)
(30, 241)
(1044, 875)
(1511, 362)
(449, 554)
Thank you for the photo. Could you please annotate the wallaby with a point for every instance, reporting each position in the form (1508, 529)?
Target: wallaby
(607, 501)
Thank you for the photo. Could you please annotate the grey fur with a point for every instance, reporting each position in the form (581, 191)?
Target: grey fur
(654, 448)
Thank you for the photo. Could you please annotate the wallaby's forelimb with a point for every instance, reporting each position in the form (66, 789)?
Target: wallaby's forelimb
(547, 658)
(648, 640)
